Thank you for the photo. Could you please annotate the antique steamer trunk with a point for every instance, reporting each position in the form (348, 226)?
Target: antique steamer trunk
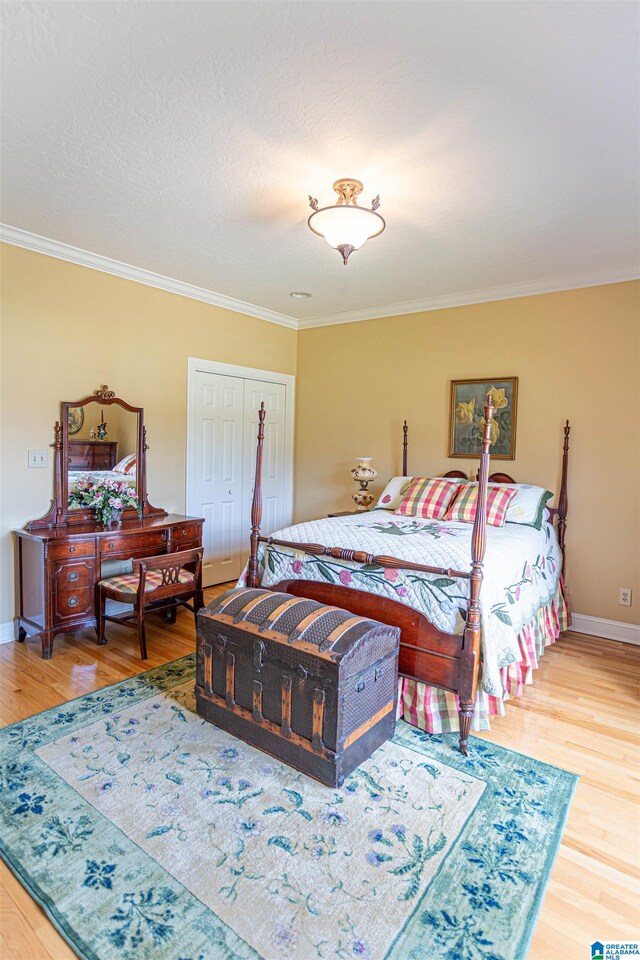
(312, 685)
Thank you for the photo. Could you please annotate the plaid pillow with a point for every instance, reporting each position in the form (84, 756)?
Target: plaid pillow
(465, 505)
(428, 498)
(127, 465)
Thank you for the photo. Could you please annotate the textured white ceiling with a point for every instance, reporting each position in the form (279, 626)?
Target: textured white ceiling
(184, 138)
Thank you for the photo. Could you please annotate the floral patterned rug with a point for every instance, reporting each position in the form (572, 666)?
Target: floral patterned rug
(146, 832)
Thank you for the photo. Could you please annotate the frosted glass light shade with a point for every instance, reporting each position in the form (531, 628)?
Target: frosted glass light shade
(346, 225)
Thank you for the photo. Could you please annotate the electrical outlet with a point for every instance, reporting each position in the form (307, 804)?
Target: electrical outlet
(38, 458)
(624, 596)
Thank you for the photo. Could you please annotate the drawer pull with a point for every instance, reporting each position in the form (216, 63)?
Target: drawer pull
(73, 577)
(73, 601)
(72, 549)
(111, 545)
(184, 533)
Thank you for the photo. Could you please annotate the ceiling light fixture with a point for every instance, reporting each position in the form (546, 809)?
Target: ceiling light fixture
(299, 295)
(346, 226)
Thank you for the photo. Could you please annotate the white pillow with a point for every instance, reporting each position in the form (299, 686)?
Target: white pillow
(527, 507)
(393, 494)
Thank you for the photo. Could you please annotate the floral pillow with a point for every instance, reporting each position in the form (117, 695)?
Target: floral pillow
(428, 498)
(392, 495)
(528, 505)
(465, 505)
(127, 465)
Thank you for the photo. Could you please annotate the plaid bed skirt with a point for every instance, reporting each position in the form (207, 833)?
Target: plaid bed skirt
(436, 711)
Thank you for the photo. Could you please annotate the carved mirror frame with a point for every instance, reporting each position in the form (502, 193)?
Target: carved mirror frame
(59, 513)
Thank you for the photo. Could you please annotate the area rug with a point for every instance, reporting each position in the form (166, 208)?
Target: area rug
(146, 832)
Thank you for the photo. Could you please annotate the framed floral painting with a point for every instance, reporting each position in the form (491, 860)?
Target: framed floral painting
(468, 398)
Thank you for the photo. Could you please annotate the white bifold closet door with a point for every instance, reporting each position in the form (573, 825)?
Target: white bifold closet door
(224, 427)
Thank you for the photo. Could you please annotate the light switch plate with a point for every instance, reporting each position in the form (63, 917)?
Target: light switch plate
(38, 459)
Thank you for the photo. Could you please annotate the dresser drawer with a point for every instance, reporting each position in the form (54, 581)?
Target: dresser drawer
(186, 531)
(74, 574)
(91, 455)
(181, 545)
(72, 602)
(138, 545)
(102, 460)
(79, 548)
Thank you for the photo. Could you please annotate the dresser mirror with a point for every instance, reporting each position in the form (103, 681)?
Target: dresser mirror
(98, 439)
(105, 448)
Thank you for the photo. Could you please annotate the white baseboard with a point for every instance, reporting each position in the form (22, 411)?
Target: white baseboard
(609, 629)
(6, 632)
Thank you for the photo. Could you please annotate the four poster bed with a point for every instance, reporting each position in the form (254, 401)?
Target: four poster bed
(460, 659)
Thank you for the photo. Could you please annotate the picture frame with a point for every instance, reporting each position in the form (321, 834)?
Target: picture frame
(75, 419)
(468, 398)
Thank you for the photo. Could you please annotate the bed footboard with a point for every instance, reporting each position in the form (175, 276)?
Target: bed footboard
(425, 651)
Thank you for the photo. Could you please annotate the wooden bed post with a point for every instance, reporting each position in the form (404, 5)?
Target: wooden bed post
(470, 652)
(405, 430)
(253, 580)
(563, 499)
(57, 446)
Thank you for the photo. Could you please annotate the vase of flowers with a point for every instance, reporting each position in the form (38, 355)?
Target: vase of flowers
(109, 498)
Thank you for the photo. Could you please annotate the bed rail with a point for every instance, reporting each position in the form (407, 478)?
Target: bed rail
(359, 556)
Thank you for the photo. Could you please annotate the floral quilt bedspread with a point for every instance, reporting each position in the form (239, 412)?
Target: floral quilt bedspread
(521, 571)
(98, 476)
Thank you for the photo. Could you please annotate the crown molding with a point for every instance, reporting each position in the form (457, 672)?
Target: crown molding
(484, 295)
(95, 261)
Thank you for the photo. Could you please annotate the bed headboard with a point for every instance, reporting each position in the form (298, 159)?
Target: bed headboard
(558, 513)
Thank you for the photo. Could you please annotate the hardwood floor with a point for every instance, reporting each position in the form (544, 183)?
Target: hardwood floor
(582, 714)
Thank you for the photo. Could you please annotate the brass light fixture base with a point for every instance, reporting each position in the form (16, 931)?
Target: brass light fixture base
(347, 189)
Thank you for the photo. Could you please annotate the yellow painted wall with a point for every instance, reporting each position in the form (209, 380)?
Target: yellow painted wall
(577, 355)
(65, 330)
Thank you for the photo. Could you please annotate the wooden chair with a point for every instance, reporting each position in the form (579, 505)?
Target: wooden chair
(156, 585)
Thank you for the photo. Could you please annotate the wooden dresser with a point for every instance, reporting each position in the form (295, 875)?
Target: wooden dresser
(92, 454)
(57, 568)
(60, 556)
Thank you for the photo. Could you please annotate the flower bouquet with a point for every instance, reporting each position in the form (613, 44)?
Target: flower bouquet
(107, 497)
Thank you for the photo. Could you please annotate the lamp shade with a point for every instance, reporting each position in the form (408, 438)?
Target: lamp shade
(351, 226)
(346, 226)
